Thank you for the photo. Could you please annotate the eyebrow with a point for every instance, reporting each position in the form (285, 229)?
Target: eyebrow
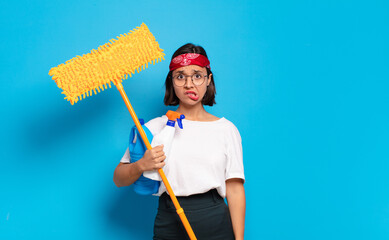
(194, 71)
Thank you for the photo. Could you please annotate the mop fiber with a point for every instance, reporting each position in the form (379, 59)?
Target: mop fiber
(111, 62)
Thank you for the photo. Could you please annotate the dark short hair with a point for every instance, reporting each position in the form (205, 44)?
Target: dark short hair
(171, 98)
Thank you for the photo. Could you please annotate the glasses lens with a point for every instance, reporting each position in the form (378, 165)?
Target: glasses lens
(179, 80)
(198, 79)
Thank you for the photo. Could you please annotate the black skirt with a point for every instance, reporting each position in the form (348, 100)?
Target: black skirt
(207, 214)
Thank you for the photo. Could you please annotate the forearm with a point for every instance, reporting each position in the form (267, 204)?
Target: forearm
(237, 205)
(126, 174)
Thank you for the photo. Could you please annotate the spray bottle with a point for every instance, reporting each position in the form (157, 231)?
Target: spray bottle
(137, 148)
(165, 137)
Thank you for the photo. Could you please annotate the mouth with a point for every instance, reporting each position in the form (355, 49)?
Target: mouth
(192, 95)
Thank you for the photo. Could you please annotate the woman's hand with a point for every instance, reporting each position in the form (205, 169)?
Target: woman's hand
(153, 159)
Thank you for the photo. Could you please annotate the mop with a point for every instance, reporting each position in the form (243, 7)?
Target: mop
(113, 62)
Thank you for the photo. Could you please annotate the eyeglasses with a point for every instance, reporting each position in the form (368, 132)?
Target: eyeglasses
(197, 79)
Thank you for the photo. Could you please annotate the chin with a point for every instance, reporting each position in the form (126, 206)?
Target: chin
(190, 102)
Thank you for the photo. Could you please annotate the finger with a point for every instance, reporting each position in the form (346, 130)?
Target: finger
(162, 158)
(158, 148)
(159, 160)
(158, 154)
(159, 165)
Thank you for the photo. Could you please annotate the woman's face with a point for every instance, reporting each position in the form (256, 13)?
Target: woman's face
(189, 93)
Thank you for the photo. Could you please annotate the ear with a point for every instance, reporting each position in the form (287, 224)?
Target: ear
(209, 79)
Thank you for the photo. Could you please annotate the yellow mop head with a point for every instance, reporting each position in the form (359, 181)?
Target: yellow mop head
(111, 62)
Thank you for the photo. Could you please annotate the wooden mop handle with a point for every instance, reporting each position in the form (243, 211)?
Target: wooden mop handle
(179, 209)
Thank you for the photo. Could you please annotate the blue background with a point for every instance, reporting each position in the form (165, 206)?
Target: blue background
(305, 82)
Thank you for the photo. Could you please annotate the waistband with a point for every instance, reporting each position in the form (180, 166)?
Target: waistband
(192, 202)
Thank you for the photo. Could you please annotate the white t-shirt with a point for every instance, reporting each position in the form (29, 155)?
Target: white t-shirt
(203, 156)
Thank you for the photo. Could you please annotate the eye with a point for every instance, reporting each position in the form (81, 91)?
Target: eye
(180, 76)
(198, 76)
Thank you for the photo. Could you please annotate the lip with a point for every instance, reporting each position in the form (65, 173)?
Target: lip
(189, 92)
(192, 95)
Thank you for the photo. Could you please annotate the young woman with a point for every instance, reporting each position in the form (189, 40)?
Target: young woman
(205, 162)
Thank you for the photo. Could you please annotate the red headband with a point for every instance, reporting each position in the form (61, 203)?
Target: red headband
(189, 59)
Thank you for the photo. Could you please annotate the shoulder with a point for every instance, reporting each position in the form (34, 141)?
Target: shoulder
(227, 123)
(229, 128)
(221, 126)
(155, 125)
(157, 120)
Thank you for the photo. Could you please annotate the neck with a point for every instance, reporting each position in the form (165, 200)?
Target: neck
(194, 112)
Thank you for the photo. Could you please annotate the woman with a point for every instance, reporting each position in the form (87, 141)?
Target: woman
(205, 162)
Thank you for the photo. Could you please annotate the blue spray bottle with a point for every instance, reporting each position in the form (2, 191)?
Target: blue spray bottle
(143, 186)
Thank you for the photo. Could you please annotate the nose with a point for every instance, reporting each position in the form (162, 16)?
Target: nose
(188, 82)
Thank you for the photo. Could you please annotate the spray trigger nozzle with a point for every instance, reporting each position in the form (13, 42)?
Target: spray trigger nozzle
(174, 116)
(179, 120)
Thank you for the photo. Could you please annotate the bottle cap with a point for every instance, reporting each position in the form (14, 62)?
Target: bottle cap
(175, 116)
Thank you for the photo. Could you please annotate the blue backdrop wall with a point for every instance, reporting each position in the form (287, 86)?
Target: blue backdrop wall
(305, 82)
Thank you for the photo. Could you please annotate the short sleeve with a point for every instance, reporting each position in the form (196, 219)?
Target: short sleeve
(155, 126)
(234, 167)
(126, 157)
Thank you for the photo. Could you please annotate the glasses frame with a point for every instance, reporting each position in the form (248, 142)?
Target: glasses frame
(191, 77)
